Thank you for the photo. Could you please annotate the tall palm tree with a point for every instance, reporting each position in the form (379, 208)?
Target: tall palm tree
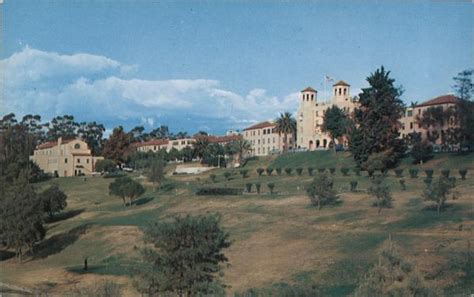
(241, 146)
(285, 125)
(201, 146)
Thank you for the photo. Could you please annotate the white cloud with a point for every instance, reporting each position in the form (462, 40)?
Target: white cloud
(92, 86)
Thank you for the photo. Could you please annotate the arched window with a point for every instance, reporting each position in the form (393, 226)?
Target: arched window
(345, 91)
(77, 146)
(340, 89)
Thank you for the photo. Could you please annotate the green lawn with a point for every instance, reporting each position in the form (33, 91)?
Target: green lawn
(281, 245)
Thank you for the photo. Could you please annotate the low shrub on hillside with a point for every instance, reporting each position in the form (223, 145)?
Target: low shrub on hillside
(321, 170)
(288, 171)
(398, 172)
(445, 172)
(213, 177)
(354, 186)
(248, 187)
(244, 173)
(278, 170)
(427, 181)
(332, 170)
(429, 173)
(227, 175)
(269, 171)
(357, 171)
(310, 171)
(320, 191)
(271, 186)
(402, 184)
(218, 191)
(299, 171)
(114, 174)
(413, 172)
(345, 171)
(257, 187)
(260, 171)
(463, 173)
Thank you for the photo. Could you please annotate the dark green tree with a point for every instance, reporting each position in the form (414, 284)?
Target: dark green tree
(92, 133)
(421, 152)
(335, 122)
(125, 187)
(377, 119)
(53, 200)
(186, 258)
(105, 165)
(464, 110)
(156, 173)
(438, 192)
(62, 126)
(116, 147)
(381, 191)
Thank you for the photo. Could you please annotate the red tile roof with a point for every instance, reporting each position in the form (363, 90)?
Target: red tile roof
(309, 89)
(51, 144)
(224, 139)
(341, 83)
(151, 142)
(260, 126)
(444, 99)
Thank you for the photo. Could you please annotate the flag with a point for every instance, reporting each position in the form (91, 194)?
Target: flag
(328, 78)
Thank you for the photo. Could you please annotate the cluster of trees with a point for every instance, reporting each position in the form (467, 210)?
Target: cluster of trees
(61, 126)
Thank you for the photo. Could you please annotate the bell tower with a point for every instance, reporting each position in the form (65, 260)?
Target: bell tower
(305, 119)
(341, 91)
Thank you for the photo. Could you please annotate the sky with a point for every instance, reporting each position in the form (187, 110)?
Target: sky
(219, 65)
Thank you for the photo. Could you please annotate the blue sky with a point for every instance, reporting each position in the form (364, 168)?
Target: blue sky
(217, 65)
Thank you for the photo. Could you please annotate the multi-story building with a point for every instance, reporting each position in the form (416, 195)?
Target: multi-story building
(264, 139)
(311, 114)
(69, 157)
(155, 145)
(411, 121)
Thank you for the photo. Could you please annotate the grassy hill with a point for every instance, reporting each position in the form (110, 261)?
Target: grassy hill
(280, 243)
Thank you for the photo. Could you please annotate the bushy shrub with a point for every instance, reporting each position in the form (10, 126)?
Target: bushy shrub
(321, 170)
(354, 185)
(381, 192)
(310, 171)
(428, 181)
(218, 191)
(260, 171)
(402, 184)
(213, 177)
(271, 186)
(463, 173)
(320, 191)
(413, 172)
(299, 171)
(248, 187)
(345, 171)
(421, 152)
(288, 171)
(429, 173)
(398, 172)
(114, 174)
(452, 181)
(332, 170)
(227, 175)
(105, 165)
(269, 171)
(244, 173)
(278, 170)
(384, 172)
(257, 187)
(357, 171)
(445, 172)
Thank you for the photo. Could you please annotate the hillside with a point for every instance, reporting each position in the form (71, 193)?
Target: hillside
(280, 243)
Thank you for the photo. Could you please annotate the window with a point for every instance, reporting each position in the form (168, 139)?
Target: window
(78, 160)
(263, 150)
(154, 147)
(183, 142)
(411, 125)
(264, 131)
(410, 113)
(87, 161)
(77, 146)
(340, 89)
(345, 91)
(263, 141)
(335, 92)
(312, 96)
(65, 160)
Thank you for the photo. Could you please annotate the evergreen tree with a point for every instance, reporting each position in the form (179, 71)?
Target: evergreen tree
(381, 191)
(335, 122)
(464, 111)
(156, 173)
(116, 147)
(125, 187)
(377, 119)
(321, 192)
(185, 259)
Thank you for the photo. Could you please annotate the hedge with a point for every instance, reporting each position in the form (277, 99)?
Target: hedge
(218, 191)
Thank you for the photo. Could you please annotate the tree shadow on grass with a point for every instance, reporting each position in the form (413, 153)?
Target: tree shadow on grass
(57, 243)
(64, 215)
(141, 201)
(5, 255)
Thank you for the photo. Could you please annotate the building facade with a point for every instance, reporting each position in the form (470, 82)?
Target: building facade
(437, 133)
(156, 145)
(70, 157)
(264, 139)
(311, 115)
